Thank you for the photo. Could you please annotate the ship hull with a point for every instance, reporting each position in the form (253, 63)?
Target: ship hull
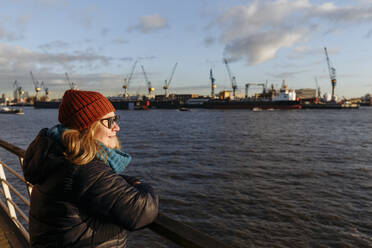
(130, 105)
(120, 104)
(166, 104)
(50, 104)
(253, 105)
(330, 106)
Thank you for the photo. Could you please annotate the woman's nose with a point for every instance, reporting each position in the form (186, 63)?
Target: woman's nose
(116, 127)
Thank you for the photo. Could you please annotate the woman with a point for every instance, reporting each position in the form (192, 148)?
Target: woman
(79, 199)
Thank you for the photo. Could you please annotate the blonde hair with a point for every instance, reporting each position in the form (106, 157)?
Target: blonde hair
(81, 146)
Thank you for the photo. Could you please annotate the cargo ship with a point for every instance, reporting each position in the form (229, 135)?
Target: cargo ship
(271, 99)
(129, 104)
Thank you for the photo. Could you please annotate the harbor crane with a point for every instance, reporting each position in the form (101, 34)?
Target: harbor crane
(213, 85)
(72, 85)
(234, 86)
(167, 82)
(18, 93)
(149, 87)
(332, 74)
(45, 88)
(36, 85)
(127, 80)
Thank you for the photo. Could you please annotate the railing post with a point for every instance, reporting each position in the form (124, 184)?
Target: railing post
(29, 186)
(8, 196)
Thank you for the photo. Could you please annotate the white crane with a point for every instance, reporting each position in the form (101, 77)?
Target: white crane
(149, 87)
(332, 74)
(36, 85)
(234, 86)
(127, 81)
(18, 93)
(46, 90)
(72, 85)
(213, 85)
(167, 82)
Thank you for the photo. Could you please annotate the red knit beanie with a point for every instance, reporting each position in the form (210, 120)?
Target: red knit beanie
(79, 109)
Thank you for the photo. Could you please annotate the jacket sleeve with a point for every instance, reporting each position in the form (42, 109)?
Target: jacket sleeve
(104, 193)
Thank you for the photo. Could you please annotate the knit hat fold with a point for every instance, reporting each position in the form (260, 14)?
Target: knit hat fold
(79, 109)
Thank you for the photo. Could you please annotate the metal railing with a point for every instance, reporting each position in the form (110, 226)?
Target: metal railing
(181, 234)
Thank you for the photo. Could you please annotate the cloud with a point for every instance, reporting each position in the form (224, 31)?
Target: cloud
(346, 14)
(15, 59)
(208, 41)
(9, 35)
(86, 21)
(119, 41)
(287, 74)
(260, 47)
(51, 2)
(368, 34)
(147, 58)
(12, 30)
(16, 63)
(105, 31)
(150, 23)
(257, 31)
(57, 44)
(302, 51)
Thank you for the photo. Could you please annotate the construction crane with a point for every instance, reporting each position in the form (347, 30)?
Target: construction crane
(234, 86)
(332, 74)
(213, 85)
(127, 80)
(36, 85)
(149, 87)
(46, 90)
(167, 82)
(72, 85)
(18, 93)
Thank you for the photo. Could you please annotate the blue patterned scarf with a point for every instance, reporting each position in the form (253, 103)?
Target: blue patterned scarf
(116, 159)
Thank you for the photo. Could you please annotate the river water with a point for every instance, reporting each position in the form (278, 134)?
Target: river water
(297, 178)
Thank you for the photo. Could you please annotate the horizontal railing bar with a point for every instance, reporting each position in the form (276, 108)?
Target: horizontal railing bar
(13, 149)
(173, 230)
(16, 192)
(15, 173)
(183, 234)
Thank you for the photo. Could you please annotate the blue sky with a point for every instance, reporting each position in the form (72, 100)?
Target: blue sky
(97, 42)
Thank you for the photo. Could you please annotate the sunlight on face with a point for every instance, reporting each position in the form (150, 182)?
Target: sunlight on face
(107, 136)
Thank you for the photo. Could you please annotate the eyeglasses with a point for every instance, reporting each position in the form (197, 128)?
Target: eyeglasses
(109, 122)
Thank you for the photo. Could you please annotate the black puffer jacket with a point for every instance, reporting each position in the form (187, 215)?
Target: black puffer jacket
(82, 206)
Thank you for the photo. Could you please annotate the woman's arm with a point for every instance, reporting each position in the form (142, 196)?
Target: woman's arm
(106, 194)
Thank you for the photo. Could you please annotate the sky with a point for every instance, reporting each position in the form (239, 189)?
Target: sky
(98, 42)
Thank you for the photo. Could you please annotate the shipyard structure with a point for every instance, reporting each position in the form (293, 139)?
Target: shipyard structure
(267, 98)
